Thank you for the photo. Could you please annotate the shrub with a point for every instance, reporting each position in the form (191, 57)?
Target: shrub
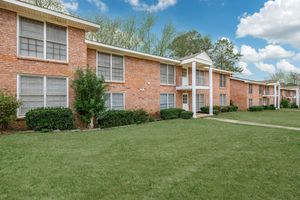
(171, 113)
(8, 108)
(89, 95)
(186, 115)
(114, 118)
(294, 105)
(284, 103)
(42, 119)
(233, 108)
(270, 107)
(216, 110)
(255, 108)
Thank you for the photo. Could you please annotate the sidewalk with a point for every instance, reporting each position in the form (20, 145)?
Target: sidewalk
(254, 124)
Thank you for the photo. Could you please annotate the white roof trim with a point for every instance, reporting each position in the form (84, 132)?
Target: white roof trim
(201, 58)
(14, 4)
(112, 49)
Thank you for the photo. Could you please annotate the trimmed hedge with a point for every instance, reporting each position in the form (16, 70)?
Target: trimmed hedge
(294, 105)
(256, 108)
(218, 109)
(284, 103)
(186, 115)
(270, 107)
(114, 118)
(171, 113)
(48, 119)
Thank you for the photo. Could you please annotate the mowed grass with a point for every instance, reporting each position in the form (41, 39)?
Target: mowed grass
(192, 159)
(278, 117)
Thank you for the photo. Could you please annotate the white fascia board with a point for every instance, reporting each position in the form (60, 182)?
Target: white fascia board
(19, 6)
(126, 52)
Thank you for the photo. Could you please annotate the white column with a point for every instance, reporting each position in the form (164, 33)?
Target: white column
(279, 95)
(211, 91)
(297, 97)
(275, 96)
(194, 109)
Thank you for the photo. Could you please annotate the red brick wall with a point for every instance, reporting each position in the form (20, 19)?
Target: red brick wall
(11, 65)
(238, 94)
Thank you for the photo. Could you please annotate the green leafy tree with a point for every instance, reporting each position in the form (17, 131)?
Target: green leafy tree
(189, 43)
(89, 95)
(8, 108)
(163, 45)
(224, 56)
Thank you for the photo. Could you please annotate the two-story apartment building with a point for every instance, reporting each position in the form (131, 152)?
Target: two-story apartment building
(41, 49)
(246, 93)
(291, 92)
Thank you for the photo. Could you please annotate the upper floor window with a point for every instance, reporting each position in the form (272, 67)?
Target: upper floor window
(111, 67)
(200, 78)
(260, 89)
(250, 89)
(42, 40)
(167, 74)
(222, 80)
(267, 90)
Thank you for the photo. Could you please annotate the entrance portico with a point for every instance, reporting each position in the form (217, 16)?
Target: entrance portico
(200, 61)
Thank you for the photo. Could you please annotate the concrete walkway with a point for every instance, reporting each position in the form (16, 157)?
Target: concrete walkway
(254, 124)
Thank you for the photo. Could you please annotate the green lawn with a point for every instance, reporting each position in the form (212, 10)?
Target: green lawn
(193, 159)
(281, 117)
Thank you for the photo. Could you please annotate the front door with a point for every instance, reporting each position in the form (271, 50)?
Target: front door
(185, 102)
(185, 80)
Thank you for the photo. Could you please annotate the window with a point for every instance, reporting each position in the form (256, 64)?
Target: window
(250, 103)
(39, 92)
(222, 80)
(200, 103)
(250, 89)
(110, 67)
(114, 101)
(56, 42)
(167, 101)
(223, 100)
(167, 74)
(267, 90)
(32, 40)
(200, 80)
(261, 103)
(260, 89)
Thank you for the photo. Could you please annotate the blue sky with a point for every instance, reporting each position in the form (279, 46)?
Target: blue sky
(266, 32)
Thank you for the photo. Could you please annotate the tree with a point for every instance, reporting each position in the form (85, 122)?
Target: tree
(145, 35)
(163, 46)
(284, 77)
(189, 43)
(224, 56)
(89, 95)
(294, 78)
(55, 5)
(8, 108)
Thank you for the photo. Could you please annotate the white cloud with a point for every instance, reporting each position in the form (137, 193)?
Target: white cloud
(246, 71)
(269, 52)
(284, 65)
(99, 4)
(269, 68)
(277, 22)
(71, 5)
(160, 5)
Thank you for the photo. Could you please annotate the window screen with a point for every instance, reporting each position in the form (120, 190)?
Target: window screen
(164, 74)
(56, 42)
(31, 34)
(200, 81)
(200, 101)
(117, 68)
(223, 100)
(117, 101)
(56, 92)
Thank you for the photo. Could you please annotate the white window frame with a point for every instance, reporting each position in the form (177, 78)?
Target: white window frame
(111, 100)
(110, 54)
(44, 41)
(223, 102)
(168, 84)
(44, 89)
(170, 93)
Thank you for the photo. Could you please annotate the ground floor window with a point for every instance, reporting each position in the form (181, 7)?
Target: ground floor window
(115, 101)
(200, 102)
(41, 91)
(167, 100)
(266, 101)
(250, 102)
(261, 103)
(223, 100)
